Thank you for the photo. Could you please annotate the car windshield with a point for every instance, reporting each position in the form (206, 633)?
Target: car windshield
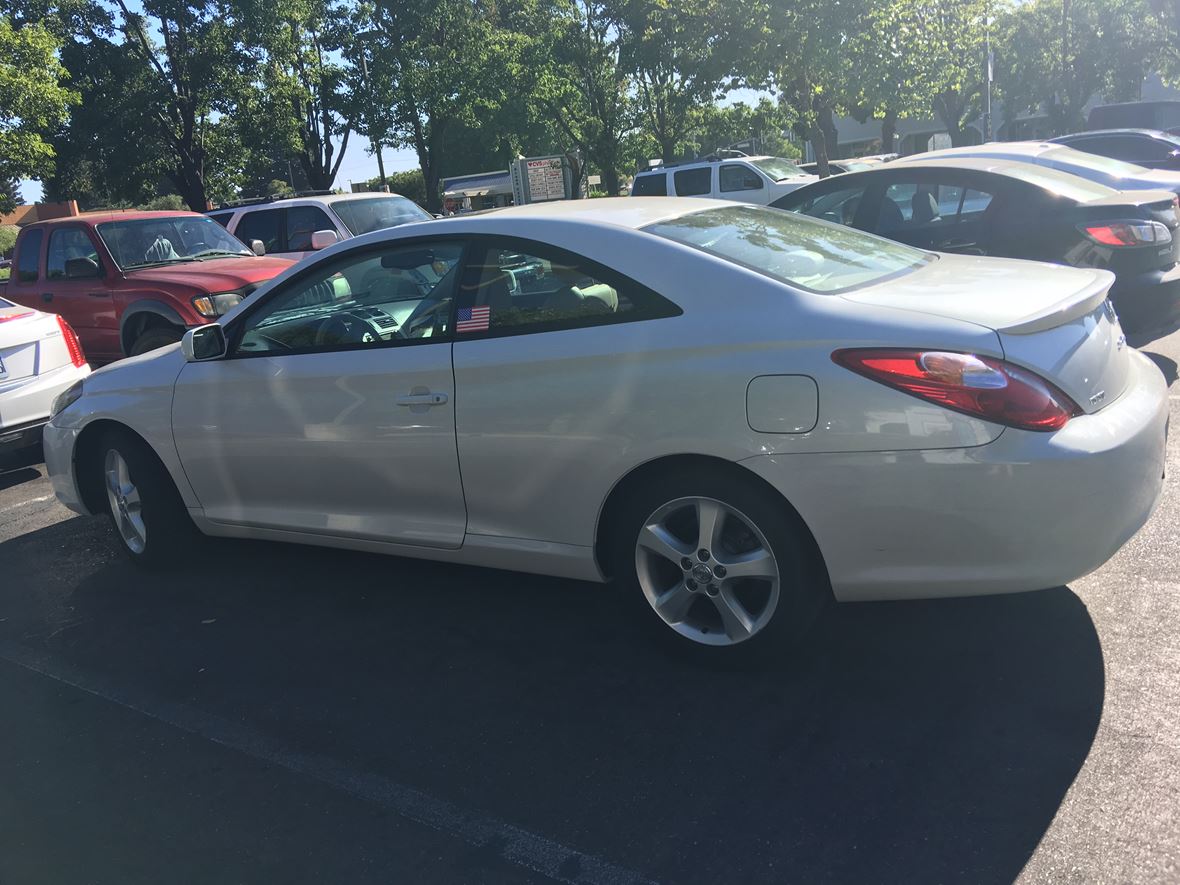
(377, 213)
(144, 242)
(810, 254)
(777, 168)
(1069, 158)
(1061, 183)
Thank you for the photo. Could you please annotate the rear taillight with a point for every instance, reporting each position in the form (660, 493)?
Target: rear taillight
(1129, 233)
(979, 386)
(77, 357)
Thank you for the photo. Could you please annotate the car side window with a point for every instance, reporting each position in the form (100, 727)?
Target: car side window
(366, 298)
(654, 185)
(839, 206)
(221, 218)
(926, 205)
(302, 222)
(1129, 148)
(739, 178)
(65, 244)
(265, 225)
(28, 257)
(522, 287)
(693, 182)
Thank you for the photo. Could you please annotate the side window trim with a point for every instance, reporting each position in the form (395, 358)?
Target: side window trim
(37, 233)
(236, 328)
(474, 260)
(60, 229)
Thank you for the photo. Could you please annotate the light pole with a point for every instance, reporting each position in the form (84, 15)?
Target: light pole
(987, 37)
(373, 139)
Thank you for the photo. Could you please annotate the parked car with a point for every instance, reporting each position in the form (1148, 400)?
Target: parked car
(130, 282)
(726, 408)
(1004, 208)
(1103, 170)
(838, 167)
(1149, 148)
(295, 228)
(40, 356)
(745, 179)
(1164, 114)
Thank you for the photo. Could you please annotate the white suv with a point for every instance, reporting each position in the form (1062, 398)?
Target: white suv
(744, 179)
(296, 227)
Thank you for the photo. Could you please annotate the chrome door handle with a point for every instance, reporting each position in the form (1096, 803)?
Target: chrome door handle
(421, 399)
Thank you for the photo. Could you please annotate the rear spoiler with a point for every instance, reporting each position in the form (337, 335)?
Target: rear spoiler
(1076, 305)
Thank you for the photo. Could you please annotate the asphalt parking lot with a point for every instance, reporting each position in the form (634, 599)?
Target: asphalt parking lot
(278, 714)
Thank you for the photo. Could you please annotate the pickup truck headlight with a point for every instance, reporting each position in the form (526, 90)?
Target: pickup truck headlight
(216, 305)
(66, 398)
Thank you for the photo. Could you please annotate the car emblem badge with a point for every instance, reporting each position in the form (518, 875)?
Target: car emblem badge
(702, 573)
(1121, 342)
(1098, 397)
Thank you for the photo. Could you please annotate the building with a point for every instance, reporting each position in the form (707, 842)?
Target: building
(483, 190)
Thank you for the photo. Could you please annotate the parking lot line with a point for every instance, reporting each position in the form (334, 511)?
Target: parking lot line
(514, 844)
(40, 500)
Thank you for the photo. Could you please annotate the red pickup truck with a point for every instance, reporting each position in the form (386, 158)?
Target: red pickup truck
(129, 282)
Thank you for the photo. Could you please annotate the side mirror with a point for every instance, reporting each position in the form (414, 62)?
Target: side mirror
(258, 247)
(203, 343)
(322, 239)
(82, 269)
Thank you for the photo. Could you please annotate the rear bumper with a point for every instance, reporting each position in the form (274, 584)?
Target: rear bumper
(1025, 512)
(19, 436)
(25, 404)
(1148, 297)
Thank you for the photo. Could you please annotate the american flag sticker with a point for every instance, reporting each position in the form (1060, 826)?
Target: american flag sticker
(473, 319)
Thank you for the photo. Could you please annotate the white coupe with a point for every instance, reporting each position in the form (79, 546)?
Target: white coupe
(735, 412)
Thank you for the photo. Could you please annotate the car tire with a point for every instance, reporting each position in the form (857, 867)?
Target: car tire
(681, 593)
(154, 339)
(150, 520)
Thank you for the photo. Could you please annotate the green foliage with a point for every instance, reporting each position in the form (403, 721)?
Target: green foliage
(1060, 55)
(32, 100)
(8, 234)
(721, 127)
(167, 202)
(409, 184)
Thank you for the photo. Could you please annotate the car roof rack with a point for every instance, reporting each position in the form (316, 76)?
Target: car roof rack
(715, 157)
(270, 198)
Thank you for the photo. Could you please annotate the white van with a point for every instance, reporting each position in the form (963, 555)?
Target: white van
(744, 179)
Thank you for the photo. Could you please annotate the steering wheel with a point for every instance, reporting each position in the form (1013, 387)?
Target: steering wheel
(345, 328)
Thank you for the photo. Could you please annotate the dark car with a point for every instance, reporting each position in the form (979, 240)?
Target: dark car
(981, 206)
(1163, 114)
(1150, 148)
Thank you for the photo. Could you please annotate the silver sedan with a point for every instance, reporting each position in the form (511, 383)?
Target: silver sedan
(736, 413)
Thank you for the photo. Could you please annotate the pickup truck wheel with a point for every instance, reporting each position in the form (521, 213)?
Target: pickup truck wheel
(155, 338)
(148, 515)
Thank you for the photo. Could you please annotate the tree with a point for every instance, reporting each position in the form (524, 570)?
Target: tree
(409, 184)
(32, 100)
(720, 127)
(1062, 53)
(193, 73)
(299, 106)
(581, 84)
(437, 64)
(682, 56)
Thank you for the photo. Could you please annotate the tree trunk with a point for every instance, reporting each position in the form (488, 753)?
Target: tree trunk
(819, 146)
(831, 135)
(191, 188)
(430, 178)
(610, 180)
(888, 132)
(949, 109)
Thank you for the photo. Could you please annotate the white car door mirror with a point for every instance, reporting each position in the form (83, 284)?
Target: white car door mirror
(322, 239)
(203, 343)
(258, 247)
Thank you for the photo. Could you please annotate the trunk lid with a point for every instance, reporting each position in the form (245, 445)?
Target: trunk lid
(20, 332)
(1052, 319)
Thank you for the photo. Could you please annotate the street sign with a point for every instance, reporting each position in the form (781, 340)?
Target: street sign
(541, 179)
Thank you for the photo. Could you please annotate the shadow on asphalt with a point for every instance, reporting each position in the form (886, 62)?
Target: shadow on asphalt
(17, 467)
(1165, 365)
(915, 742)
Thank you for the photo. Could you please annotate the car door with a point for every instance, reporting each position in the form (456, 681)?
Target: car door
(301, 223)
(266, 225)
(547, 350)
(327, 416)
(938, 210)
(76, 286)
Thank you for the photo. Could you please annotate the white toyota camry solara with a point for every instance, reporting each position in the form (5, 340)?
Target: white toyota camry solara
(733, 411)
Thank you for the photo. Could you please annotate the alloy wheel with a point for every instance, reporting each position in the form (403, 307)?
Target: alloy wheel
(707, 570)
(126, 506)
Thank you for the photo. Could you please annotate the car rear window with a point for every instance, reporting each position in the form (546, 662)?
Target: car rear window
(788, 247)
(655, 185)
(1061, 183)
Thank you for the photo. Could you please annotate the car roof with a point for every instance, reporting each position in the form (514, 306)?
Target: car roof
(101, 217)
(310, 198)
(1022, 148)
(626, 212)
(1152, 133)
(687, 164)
(999, 165)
